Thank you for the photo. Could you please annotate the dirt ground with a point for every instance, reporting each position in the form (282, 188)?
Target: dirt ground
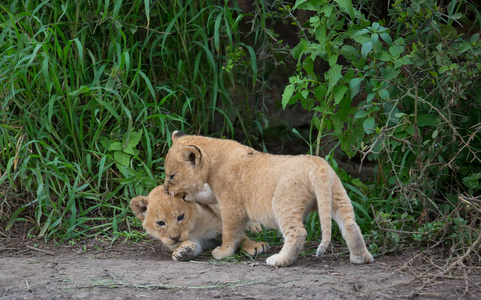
(94, 270)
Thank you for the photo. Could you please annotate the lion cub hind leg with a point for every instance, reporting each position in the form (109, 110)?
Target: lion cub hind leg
(324, 205)
(186, 251)
(253, 248)
(343, 214)
(294, 238)
(289, 212)
(353, 237)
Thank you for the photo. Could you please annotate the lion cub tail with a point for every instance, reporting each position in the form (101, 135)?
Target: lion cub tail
(323, 189)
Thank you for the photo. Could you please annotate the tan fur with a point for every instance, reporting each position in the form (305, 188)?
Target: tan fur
(277, 191)
(189, 227)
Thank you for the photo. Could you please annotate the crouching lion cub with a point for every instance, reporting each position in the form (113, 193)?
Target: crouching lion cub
(277, 191)
(186, 228)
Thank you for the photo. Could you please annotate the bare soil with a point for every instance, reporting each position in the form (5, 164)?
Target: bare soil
(31, 269)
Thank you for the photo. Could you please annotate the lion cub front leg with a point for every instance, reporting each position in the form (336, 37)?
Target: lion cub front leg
(186, 251)
(233, 227)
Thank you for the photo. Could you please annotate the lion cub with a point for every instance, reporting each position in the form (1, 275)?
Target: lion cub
(186, 228)
(278, 191)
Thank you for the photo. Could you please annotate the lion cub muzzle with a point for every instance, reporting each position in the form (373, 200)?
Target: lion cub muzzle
(175, 238)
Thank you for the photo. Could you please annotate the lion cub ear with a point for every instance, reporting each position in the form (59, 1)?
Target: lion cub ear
(177, 134)
(139, 206)
(191, 154)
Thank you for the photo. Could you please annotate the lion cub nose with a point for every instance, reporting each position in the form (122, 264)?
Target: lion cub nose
(175, 238)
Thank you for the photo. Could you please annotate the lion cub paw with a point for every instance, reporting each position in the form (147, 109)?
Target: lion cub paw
(253, 226)
(223, 252)
(364, 258)
(278, 260)
(254, 248)
(185, 251)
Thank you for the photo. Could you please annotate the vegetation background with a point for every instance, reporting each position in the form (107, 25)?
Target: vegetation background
(90, 92)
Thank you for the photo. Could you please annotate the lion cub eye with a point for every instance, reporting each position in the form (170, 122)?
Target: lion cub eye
(171, 177)
(181, 217)
(161, 223)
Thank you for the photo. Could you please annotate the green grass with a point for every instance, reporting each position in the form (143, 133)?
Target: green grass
(89, 95)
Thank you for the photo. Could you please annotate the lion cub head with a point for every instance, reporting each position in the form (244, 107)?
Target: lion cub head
(167, 218)
(186, 167)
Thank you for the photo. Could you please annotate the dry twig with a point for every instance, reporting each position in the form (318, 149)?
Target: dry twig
(40, 250)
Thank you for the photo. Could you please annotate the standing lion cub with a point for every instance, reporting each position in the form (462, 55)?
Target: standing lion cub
(186, 228)
(278, 191)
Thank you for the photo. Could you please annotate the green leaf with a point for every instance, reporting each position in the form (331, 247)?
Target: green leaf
(456, 16)
(320, 91)
(107, 106)
(387, 38)
(370, 96)
(122, 158)
(149, 84)
(464, 47)
(361, 32)
(473, 181)
(314, 5)
(366, 48)
(134, 139)
(117, 6)
(346, 5)
(355, 85)
(321, 37)
(253, 62)
(14, 217)
(305, 93)
(339, 92)
(333, 75)
(427, 120)
(451, 7)
(390, 73)
(361, 114)
(309, 67)
(410, 129)
(34, 54)
(130, 151)
(147, 11)
(110, 84)
(286, 96)
(326, 10)
(396, 51)
(384, 56)
(405, 60)
(474, 38)
(81, 90)
(115, 146)
(217, 32)
(384, 94)
(333, 60)
(349, 52)
(368, 125)
(298, 50)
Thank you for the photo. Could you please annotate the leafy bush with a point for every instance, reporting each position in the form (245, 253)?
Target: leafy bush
(403, 91)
